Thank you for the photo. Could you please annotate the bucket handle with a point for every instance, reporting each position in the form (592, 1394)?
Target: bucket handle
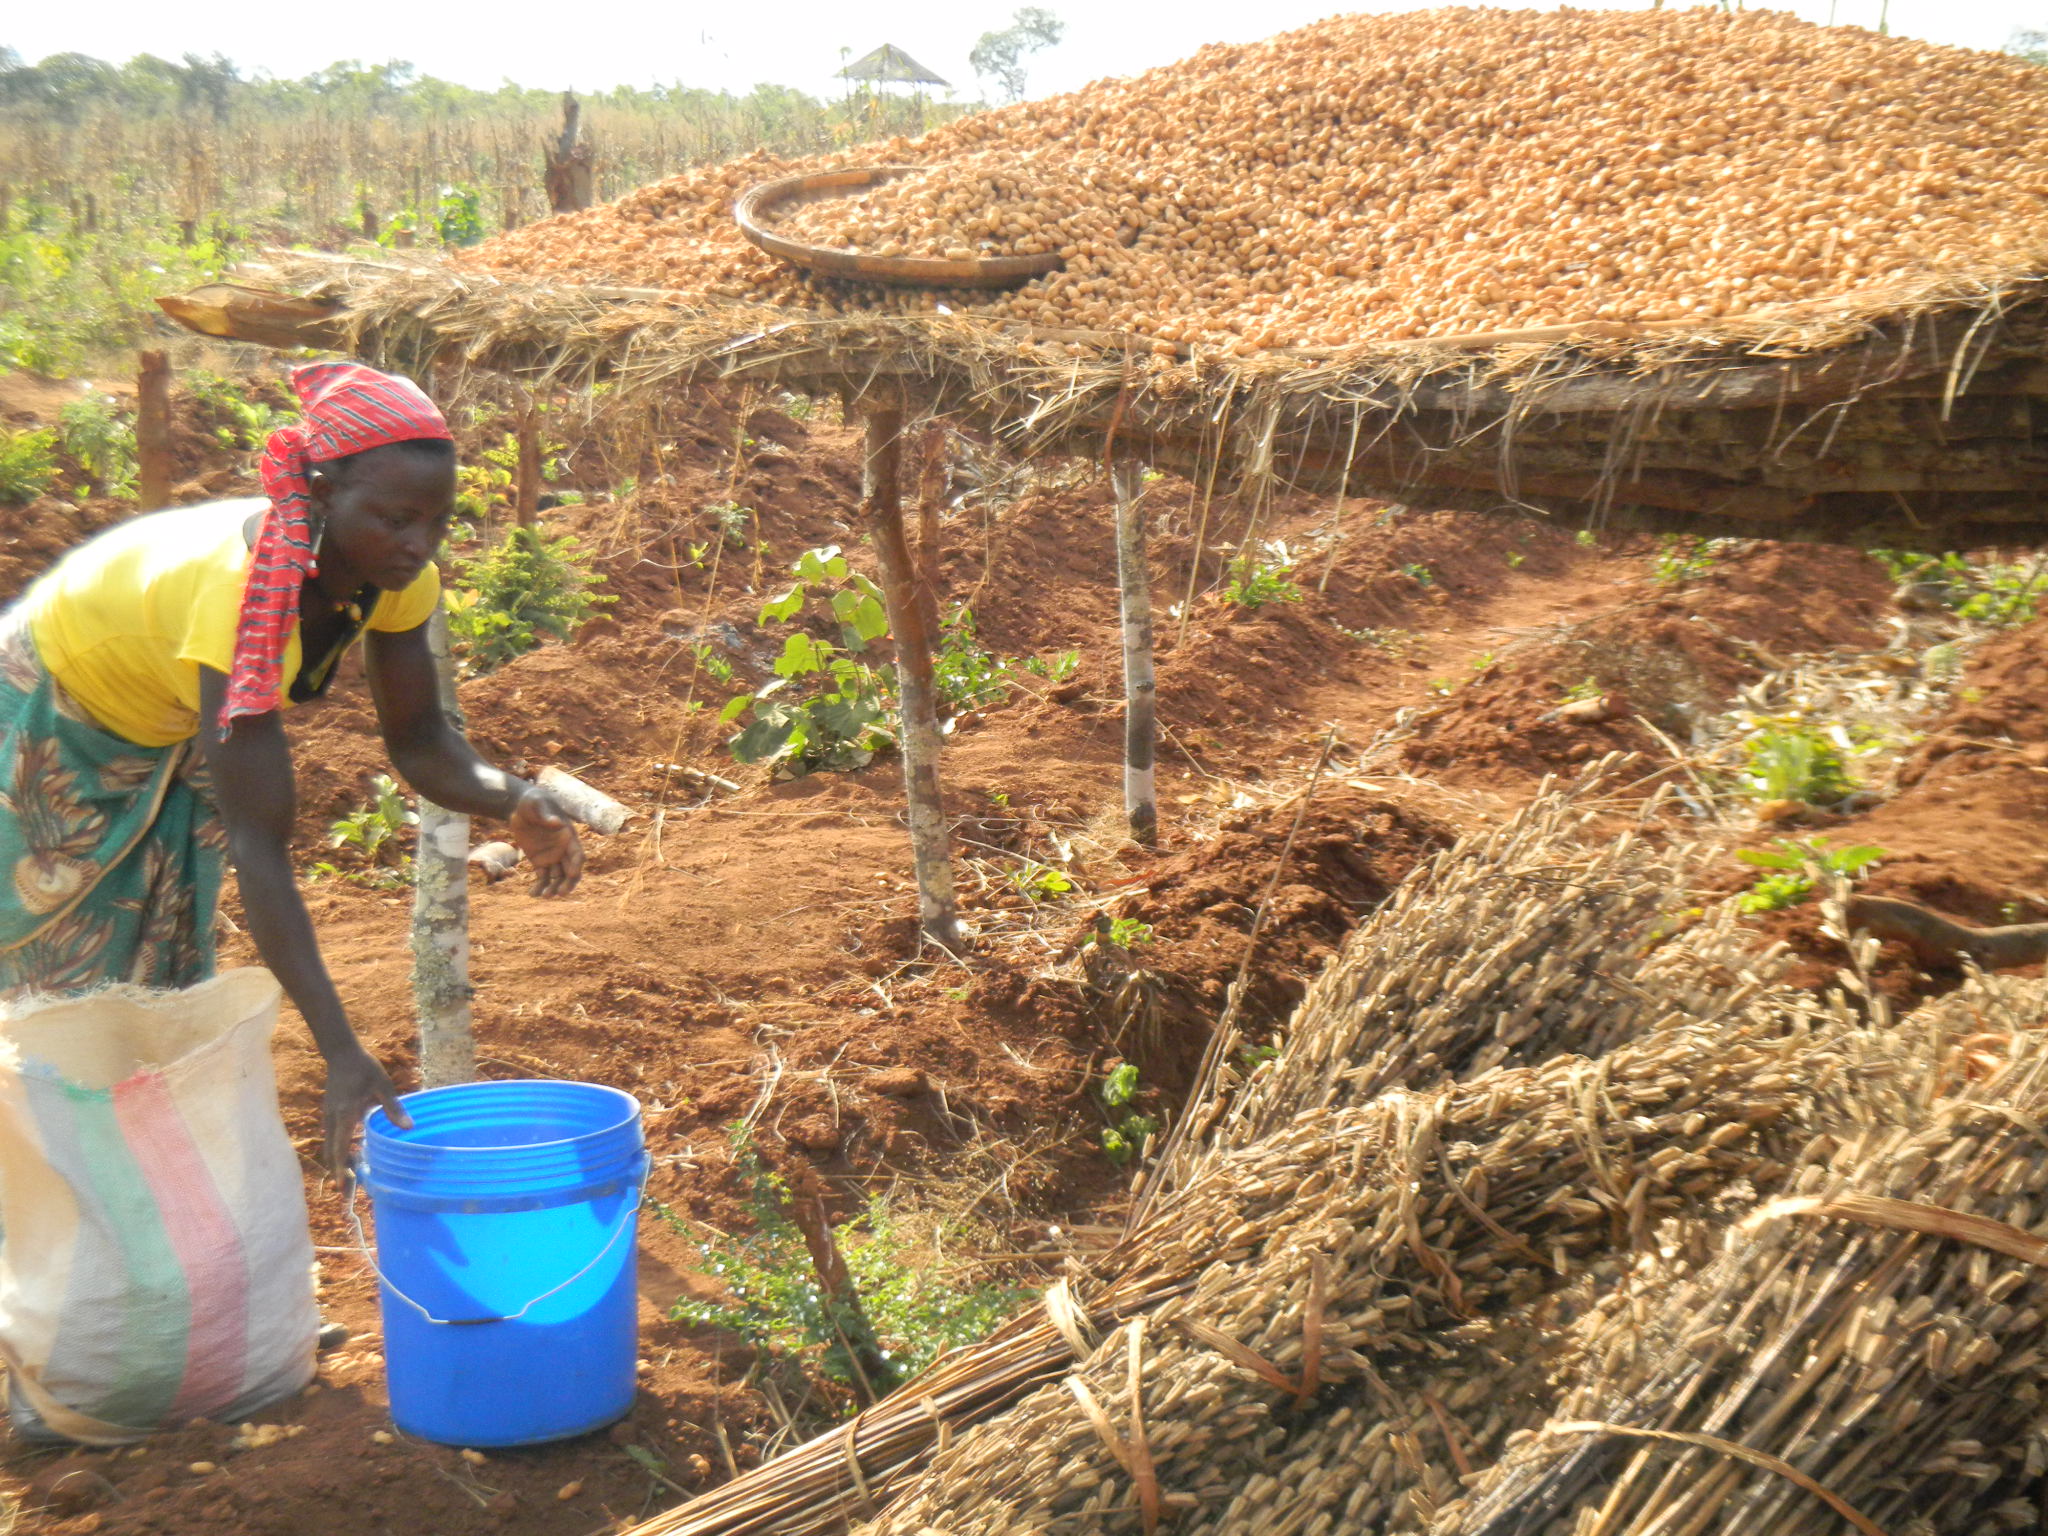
(355, 1220)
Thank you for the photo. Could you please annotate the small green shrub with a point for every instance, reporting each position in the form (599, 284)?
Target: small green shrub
(28, 465)
(1990, 592)
(1795, 867)
(1684, 557)
(506, 599)
(840, 719)
(1057, 668)
(376, 831)
(1788, 759)
(102, 441)
(773, 1299)
(966, 676)
(1255, 583)
(1124, 1138)
(242, 422)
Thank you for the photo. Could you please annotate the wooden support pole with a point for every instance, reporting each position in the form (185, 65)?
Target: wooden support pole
(931, 496)
(440, 914)
(874, 1376)
(153, 432)
(882, 509)
(526, 481)
(1141, 799)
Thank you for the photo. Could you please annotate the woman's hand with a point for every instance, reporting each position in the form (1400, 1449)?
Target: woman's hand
(546, 837)
(356, 1084)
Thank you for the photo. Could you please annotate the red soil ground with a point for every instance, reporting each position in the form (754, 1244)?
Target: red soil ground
(752, 952)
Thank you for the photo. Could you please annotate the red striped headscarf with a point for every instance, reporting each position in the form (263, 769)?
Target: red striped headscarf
(345, 408)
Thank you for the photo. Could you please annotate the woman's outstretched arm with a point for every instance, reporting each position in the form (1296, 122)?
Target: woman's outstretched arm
(439, 763)
(252, 778)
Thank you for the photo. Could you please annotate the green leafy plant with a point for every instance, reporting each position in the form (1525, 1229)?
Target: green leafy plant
(1989, 592)
(1124, 1138)
(1516, 559)
(967, 676)
(1042, 882)
(1684, 557)
(1795, 868)
(103, 443)
(377, 829)
(28, 465)
(1254, 582)
(1057, 668)
(1789, 759)
(716, 665)
(1421, 575)
(797, 407)
(733, 521)
(529, 586)
(242, 421)
(1585, 688)
(1129, 932)
(774, 1301)
(1255, 1056)
(458, 216)
(1442, 687)
(1585, 538)
(825, 708)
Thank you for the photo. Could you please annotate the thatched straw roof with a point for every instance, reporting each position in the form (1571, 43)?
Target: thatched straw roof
(891, 64)
(1918, 424)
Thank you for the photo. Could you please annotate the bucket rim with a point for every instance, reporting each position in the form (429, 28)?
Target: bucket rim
(391, 1134)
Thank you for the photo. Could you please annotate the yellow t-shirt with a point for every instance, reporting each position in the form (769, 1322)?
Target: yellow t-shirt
(125, 621)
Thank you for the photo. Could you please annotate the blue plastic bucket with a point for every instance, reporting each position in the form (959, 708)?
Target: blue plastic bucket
(505, 1227)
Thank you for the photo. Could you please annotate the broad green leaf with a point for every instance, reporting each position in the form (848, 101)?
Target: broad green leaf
(734, 708)
(800, 654)
(784, 608)
(862, 614)
(821, 565)
(1764, 858)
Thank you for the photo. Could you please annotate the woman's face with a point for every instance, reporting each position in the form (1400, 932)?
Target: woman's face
(384, 516)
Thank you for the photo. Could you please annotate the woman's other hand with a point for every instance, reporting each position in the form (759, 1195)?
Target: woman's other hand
(356, 1084)
(546, 837)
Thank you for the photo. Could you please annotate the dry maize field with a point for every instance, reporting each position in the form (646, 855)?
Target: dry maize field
(1446, 172)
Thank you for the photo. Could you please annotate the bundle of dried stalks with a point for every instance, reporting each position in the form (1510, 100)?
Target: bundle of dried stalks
(1864, 1353)
(1540, 937)
(1354, 1238)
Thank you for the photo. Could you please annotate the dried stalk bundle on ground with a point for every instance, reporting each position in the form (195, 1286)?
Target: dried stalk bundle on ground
(1511, 946)
(1865, 1351)
(1353, 1238)
(1385, 1454)
(1434, 173)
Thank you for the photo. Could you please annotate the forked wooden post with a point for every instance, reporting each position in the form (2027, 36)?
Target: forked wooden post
(440, 915)
(153, 433)
(1141, 799)
(882, 510)
(526, 479)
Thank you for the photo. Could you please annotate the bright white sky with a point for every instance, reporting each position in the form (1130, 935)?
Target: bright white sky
(789, 42)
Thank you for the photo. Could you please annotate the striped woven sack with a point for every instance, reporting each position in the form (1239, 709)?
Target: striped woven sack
(155, 1263)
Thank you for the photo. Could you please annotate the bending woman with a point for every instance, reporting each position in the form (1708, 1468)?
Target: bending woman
(202, 625)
